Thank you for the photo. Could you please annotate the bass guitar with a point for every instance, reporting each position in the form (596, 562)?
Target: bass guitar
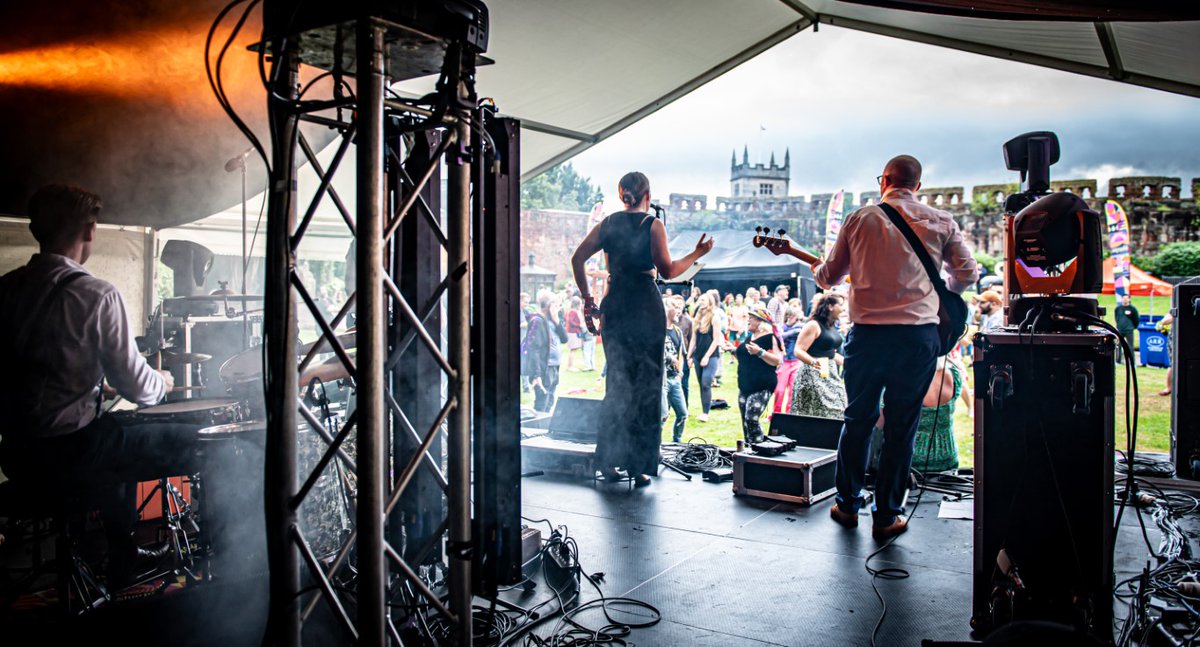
(778, 245)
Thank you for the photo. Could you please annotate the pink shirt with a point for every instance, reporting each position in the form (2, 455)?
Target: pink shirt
(888, 284)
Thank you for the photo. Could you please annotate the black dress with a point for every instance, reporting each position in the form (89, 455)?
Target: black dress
(634, 324)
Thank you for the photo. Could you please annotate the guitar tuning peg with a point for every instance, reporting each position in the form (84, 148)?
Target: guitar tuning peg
(758, 230)
(781, 232)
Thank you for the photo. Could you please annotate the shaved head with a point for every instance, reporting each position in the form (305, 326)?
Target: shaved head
(903, 172)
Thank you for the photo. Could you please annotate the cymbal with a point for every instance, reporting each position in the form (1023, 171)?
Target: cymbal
(330, 370)
(346, 339)
(177, 358)
(219, 297)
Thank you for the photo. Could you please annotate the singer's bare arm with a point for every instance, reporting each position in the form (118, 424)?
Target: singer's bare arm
(667, 268)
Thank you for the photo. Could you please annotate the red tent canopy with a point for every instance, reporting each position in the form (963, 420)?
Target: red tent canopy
(1141, 284)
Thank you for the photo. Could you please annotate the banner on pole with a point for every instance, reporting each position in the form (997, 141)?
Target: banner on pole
(833, 221)
(1118, 247)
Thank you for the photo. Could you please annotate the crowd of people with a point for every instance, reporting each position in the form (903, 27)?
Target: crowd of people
(792, 361)
(866, 350)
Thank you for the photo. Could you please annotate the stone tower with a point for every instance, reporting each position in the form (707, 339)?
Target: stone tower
(759, 180)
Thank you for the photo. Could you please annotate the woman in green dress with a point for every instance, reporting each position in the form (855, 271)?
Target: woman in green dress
(937, 419)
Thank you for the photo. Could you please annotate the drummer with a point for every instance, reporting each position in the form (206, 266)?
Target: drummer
(63, 331)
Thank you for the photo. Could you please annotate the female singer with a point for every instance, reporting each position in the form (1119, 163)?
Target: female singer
(632, 327)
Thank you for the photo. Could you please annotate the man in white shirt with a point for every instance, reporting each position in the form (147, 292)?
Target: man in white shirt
(62, 333)
(991, 310)
(892, 349)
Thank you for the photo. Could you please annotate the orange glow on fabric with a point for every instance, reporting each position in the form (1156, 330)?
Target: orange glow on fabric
(162, 65)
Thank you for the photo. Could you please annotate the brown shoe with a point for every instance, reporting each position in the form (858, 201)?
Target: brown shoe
(884, 533)
(844, 519)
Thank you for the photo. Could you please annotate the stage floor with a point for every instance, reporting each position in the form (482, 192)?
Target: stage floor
(722, 570)
(726, 570)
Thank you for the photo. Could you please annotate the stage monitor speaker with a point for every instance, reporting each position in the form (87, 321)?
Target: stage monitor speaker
(576, 420)
(807, 431)
(1185, 380)
(1044, 480)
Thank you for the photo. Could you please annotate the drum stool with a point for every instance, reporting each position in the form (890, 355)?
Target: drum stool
(46, 514)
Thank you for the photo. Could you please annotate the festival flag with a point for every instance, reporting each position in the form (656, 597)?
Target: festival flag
(1118, 247)
(833, 221)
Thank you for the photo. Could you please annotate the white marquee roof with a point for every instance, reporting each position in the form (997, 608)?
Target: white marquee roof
(578, 71)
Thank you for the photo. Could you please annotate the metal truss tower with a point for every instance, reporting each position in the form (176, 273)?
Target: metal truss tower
(433, 440)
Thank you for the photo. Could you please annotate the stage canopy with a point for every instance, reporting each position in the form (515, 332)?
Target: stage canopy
(115, 98)
(1141, 284)
(735, 264)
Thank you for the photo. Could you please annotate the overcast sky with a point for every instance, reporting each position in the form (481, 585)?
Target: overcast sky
(844, 102)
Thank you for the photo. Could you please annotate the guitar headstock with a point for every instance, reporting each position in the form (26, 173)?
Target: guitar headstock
(776, 243)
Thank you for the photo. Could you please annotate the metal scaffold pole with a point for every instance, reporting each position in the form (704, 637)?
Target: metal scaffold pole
(281, 379)
(372, 324)
(458, 214)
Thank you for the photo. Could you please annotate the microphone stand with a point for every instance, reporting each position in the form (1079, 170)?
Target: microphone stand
(245, 264)
(239, 162)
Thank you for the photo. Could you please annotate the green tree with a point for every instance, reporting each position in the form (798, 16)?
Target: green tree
(985, 260)
(560, 188)
(1144, 263)
(1179, 259)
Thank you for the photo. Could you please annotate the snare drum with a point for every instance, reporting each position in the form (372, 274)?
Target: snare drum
(202, 413)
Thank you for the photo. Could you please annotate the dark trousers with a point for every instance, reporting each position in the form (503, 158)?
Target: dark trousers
(897, 363)
(1128, 336)
(685, 377)
(705, 376)
(102, 463)
(543, 397)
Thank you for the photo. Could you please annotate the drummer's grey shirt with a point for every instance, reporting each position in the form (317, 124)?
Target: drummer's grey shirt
(84, 336)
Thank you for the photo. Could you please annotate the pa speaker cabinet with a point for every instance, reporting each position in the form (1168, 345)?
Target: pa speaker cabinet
(802, 475)
(1044, 480)
(1185, 380)
(576, 419)
(807, 431)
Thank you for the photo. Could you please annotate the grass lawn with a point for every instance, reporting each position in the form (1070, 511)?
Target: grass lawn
(724, 426)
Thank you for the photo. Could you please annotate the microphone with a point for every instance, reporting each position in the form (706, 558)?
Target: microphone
(657, 209)
(238, 162)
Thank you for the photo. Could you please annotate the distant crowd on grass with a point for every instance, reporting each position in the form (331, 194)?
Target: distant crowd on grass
(787, 356)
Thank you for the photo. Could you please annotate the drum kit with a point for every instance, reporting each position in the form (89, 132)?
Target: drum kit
(229, 528)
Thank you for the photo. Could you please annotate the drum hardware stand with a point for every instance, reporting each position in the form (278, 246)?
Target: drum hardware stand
(178, 520)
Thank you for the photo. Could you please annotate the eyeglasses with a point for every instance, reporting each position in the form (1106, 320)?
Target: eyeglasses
(878, 179)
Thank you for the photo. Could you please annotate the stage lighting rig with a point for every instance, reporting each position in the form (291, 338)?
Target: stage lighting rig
(1053, 243)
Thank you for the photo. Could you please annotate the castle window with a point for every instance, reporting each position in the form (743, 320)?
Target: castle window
(1120, 190)
(766, 189)
(1166, 191)
(1087, 192)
